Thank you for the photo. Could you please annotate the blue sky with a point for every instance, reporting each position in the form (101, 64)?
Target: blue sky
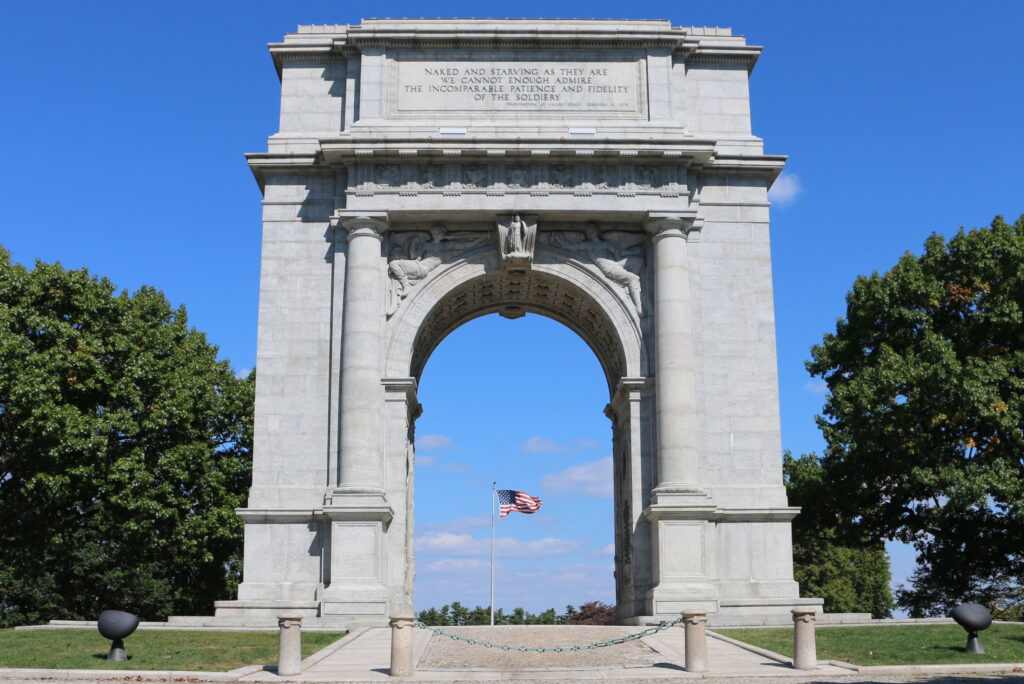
(124, 125)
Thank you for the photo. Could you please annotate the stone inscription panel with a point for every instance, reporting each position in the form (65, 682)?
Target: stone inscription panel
(574, 86)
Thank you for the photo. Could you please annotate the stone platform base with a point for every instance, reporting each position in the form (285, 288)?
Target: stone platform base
(757, 613)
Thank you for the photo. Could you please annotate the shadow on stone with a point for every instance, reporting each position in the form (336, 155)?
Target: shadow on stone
(669, 666)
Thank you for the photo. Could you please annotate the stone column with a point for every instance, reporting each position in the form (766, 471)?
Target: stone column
(289, 656)
(357, 508)
(696, 646)
(401, 645)
(805, 651)
(360, 447)
(675, 384)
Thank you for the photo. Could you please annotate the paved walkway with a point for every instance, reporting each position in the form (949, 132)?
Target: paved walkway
(364, 657)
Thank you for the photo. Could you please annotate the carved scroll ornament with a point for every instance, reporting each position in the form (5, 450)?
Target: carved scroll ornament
(415, 254)
(618, 255)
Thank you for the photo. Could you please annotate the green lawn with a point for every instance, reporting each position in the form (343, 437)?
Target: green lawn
(148, 649)
(895, 644)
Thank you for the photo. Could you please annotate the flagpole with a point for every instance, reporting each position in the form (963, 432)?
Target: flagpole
(493, 494)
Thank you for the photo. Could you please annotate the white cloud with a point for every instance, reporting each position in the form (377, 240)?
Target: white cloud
(580, 572)
(543, 445)
(816, 387)
(608, 550)
(593, 479)
(456, 565)
(243, 373)
(464, 545)
(430, 442)
(425, 460)
(468, 523)
(786, 189)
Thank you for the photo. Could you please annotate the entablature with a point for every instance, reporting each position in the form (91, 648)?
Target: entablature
(705, 44)
(537, 166)
(687, 150)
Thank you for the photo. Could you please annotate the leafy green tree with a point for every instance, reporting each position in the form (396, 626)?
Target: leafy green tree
(124, 448)
(924, 418)
(851, 574)
(590, 613)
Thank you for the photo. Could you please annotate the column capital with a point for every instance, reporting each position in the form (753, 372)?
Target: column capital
(402, 621)
(804, 614)
(404, 390)
(695, 617)
(682, 224)
(359, 223)
(286, 620)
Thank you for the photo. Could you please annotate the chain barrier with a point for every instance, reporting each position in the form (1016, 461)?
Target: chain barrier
(553, 649)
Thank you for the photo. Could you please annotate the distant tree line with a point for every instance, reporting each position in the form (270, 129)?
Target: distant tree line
(458, 615)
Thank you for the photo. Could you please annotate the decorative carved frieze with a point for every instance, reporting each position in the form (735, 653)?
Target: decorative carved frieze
(507, 176)
(414, 254)
(620, 256)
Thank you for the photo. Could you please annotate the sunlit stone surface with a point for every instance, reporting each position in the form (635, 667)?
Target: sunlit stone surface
(602, 173)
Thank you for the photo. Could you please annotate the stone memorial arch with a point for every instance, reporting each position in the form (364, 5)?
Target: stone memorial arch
(601, 173)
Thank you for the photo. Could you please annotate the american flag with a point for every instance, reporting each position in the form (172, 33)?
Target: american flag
(510, 500)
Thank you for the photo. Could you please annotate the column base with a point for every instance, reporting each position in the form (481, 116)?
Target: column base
(667, 600)
(357, 592)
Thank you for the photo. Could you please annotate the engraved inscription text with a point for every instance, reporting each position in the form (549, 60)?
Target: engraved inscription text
(518, 86)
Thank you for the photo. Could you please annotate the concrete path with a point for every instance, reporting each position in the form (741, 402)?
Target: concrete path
(365, 656)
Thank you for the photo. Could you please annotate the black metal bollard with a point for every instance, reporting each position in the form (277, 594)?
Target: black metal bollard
(973, 617)
(116, 625)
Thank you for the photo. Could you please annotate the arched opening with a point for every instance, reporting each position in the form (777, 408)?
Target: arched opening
(558, 291)
(520, 403)
(514, 294)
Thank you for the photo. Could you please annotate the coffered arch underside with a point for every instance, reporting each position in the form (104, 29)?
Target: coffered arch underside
(563, 290)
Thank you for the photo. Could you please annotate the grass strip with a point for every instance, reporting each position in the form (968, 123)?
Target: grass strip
(895, 644)
(149, 649)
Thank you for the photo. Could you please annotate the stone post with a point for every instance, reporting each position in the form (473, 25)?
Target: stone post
(805, 651)
(289, 655)
(696, 647)
(675, 384)
(361, 467)
(401, 645)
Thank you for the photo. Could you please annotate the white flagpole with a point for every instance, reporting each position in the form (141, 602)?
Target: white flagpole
(493, 495)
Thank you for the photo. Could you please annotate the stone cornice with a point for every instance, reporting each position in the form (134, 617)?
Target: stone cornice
(746, 55)
(692, 43)
(515, 33)
(721, 515)
(278, 515)
(261, 162)
(770, 165)
(670, 149)
(699, 155)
